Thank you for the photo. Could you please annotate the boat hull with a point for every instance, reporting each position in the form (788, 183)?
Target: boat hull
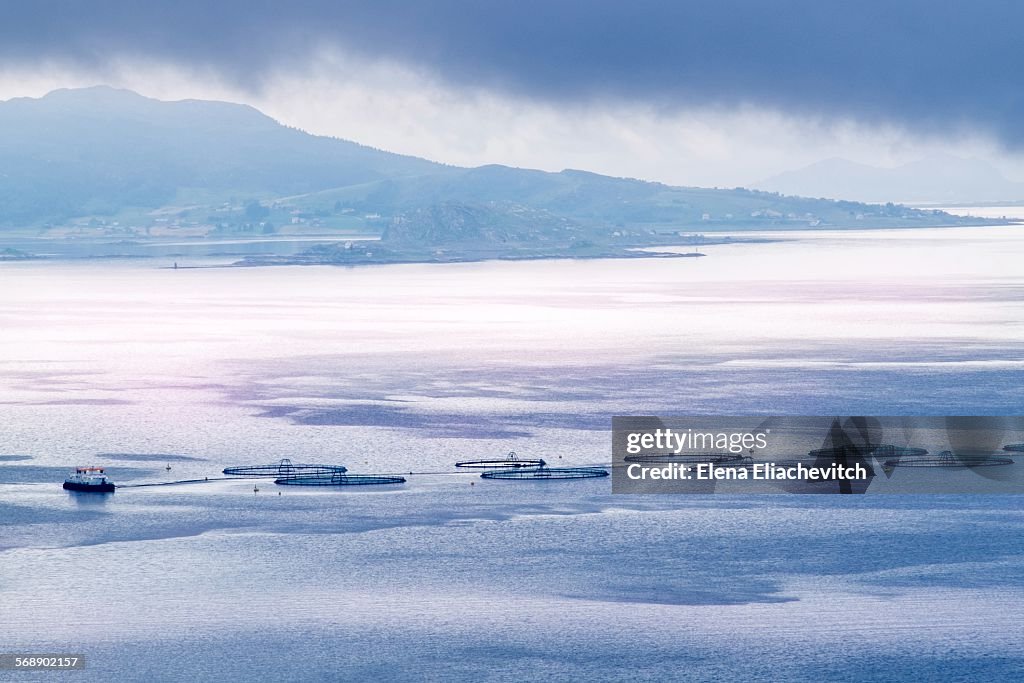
(89, 488)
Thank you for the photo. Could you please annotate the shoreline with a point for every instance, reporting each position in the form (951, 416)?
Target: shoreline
(362, 252)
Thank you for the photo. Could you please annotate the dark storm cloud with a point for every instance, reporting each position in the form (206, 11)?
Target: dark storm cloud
(932, 65)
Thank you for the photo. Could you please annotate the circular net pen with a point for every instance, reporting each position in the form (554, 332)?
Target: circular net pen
(712, 458)
(512, 461)
(284, 468)
(339, 479)
(1014, 448)
(886, 451)
(949, 459)
(547, 473)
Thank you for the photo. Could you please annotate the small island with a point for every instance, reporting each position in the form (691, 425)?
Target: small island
(454, 232)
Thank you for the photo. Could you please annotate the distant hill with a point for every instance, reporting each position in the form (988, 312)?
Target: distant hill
(936, 180)
(106, 162)
(96, 150)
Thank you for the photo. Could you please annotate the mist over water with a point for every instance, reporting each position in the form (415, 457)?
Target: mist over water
(411, 367)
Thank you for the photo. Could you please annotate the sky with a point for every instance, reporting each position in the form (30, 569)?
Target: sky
(714, 93)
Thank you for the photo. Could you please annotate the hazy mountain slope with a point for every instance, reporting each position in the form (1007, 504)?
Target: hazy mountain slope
(607, 204)
(94, 150)
(80, 157)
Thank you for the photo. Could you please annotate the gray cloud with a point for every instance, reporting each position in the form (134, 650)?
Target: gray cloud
(930, 66)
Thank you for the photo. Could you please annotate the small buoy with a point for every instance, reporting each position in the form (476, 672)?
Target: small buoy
(254, 489)
(168, 468)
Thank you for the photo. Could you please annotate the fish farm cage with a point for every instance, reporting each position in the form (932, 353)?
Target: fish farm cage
(285, 468)
(723, 458)
(547, 473)
(512, 461)
(950, 459)
(339, 479)
(886, 451)
(1014, 448)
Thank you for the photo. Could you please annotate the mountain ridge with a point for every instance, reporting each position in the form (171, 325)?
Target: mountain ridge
(107, 162)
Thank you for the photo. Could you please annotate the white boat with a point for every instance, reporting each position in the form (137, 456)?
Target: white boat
(92, 479)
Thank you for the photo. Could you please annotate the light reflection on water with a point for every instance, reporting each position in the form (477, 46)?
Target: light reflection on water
(404, 368)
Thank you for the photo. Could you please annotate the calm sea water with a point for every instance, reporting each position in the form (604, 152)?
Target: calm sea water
(409, 368)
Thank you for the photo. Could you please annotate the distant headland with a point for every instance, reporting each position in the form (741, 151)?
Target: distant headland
(107, 165)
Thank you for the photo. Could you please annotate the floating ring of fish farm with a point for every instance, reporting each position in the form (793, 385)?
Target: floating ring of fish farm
(947, 459)
(690, 458)
(879, 451)
(546, 473)
(1015, 447)
(339, 479)
(512, 461)
(284, 468)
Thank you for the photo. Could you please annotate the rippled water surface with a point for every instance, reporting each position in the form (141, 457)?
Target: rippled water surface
(448, 577)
